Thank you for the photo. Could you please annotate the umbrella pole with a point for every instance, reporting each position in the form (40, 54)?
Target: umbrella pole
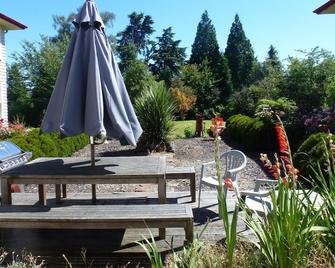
(94, 190)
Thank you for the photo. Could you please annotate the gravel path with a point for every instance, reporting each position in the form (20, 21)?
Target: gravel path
(188, 152)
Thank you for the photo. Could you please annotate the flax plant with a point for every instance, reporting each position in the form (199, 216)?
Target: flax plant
(326, 188)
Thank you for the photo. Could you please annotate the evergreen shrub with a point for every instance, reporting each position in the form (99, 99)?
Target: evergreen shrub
(49, 145)
(251, 133)
(311, 153)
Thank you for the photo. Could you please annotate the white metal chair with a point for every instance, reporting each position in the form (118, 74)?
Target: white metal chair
(232, 162)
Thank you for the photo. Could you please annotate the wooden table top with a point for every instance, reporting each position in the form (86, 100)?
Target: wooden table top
(137, 166)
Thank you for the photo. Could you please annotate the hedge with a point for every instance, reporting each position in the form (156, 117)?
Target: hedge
(311, 152)
(49, 145)
(251, 133)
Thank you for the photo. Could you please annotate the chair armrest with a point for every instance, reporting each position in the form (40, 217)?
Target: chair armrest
(259, 182)
(255, 194)
(208, 163)
(203, 168)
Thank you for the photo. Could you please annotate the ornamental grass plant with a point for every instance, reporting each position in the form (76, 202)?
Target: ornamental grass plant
(155, 111)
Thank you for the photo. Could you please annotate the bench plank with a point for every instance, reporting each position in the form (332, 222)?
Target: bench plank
(99, 217)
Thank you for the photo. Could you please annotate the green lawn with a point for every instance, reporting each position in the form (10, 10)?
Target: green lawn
(186, 128)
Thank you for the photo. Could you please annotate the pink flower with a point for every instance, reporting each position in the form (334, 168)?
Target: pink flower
(229, 184)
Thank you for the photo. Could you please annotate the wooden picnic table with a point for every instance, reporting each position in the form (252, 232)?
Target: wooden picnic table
(77, 170)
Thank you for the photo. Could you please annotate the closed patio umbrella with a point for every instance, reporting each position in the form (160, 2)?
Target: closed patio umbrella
(90, 95)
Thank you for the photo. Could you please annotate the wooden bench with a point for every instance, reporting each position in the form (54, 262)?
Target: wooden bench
(100, 217)
(182, 173)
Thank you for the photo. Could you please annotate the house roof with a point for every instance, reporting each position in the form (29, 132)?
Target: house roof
(327, 8)
(8, 23)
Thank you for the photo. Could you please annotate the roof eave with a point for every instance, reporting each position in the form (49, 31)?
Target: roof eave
(325, 9)
(11, 24)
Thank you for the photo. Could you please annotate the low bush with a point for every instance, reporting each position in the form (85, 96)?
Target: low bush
(49, 145)
(251, 133)
(311, 153)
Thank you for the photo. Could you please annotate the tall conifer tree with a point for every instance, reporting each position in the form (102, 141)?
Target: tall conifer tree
(206, 49)
(167, 57)
(240, 56)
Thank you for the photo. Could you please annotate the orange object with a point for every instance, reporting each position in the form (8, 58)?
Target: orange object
(218, 124)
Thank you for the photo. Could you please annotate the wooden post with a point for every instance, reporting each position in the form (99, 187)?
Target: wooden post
(162, 200)
(6, 193)
(58, 193)
(94, 189)
(192, 187)
(42, 194)
(64, 190)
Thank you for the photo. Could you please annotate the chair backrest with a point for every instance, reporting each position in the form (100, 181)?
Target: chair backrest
(232, 160)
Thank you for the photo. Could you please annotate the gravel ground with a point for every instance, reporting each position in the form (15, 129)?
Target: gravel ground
(188, 152)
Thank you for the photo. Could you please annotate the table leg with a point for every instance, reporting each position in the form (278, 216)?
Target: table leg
(192, 187)
(64, 191)
(58, 193)
(162, 191)
(162, 200)
(42, 194)
(6, 193)
(94, 193)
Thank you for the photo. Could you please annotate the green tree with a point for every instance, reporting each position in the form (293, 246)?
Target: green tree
(308, 80)
(19, 100)
(205, 44)
(64, 24)
(202, 81)
(240, 56)
(272, 64)
(206, 48)
(137, 79)
(136, 33)
(167, 57)
(40, 65)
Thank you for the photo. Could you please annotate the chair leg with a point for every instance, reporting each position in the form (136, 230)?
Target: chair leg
(199, 193)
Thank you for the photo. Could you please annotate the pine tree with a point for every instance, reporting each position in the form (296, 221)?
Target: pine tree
(272, 61)
(206, 48)
(240, 56)
(137, 32)
(205, 45)
(167, 57)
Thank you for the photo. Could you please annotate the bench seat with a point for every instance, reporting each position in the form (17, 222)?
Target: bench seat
(182, 173)
(99, 217)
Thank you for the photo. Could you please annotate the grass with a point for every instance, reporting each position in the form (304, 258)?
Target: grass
(186, 129)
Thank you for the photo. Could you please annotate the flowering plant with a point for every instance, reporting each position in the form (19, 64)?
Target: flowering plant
(283, 167)
(11, 129)
(321, 120)
(217, 126)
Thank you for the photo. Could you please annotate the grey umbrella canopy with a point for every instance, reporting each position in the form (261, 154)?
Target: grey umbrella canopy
(90, 95)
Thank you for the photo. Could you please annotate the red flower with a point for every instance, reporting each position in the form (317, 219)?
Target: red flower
(229, 184)
(281, 137)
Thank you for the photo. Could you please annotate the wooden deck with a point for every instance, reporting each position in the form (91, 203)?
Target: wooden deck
(115, 247)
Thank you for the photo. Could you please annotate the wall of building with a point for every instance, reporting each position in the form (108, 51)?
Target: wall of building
(3, 78)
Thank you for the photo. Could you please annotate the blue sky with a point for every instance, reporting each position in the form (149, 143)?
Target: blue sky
(287, 24)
